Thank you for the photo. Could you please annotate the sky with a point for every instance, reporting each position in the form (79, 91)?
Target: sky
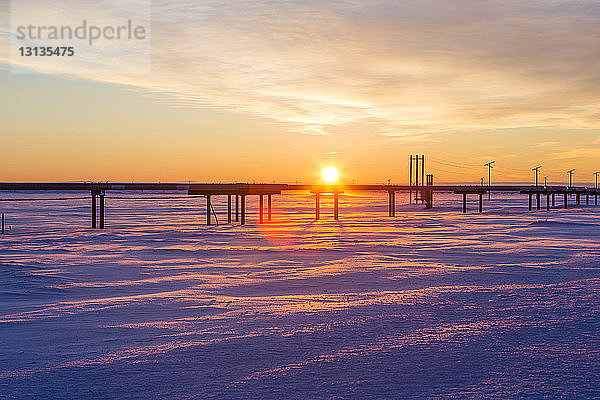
(269, 90)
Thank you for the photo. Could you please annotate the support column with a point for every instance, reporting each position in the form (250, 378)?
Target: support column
(269, 208)
(261, 207)
(553, 200)
(317, 206)
(578, 199)
(237, 208)
(228, 208)
(101, 210)
(336, 209)
(389, 204)
(243, 207)
(537, 199)
(596, 199)
(547, 202)
(93, 210)
(587, 200)
(530, 200)
(393, 204)
(464, 203)
(480, 202)
(208, 210)
(566, 200)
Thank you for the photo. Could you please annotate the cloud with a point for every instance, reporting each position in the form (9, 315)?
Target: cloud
(406, 68)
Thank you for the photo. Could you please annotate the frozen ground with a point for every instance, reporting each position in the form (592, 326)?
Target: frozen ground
(429, 305)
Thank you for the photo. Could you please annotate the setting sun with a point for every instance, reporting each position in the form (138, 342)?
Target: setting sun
(330, 175)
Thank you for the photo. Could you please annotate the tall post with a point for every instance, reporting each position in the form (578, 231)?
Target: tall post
(393, 204)
(390, 203)
(537, 199)
(490, 166)
(578, 199)
(547, 201)
(102, 210)
(269, 207)
(93, 210)
(336, 213)
(261, 207)
(480, 202)
(208, 205)
(570, 172)
(228, 208)
(537, 171)
(553, 200)
(464, 203)
(423, 169)
(587, 200)
(417, 172)
(237, 208)
(530, 200)
(566, 200)
(3, 223)
(410, 180)
(596, 175)
(243, 209)
(317, 206)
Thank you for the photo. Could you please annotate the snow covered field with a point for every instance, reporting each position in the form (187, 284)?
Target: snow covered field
(429, 305)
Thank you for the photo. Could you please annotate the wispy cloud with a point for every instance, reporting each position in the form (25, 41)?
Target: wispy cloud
(407, 68)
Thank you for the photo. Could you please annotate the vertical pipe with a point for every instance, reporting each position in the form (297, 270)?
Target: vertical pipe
(243, 209)
(566, 200)
(93, 210)
(547, 201)
(389, 203)
(423, 169)
(410, 180)
(228, 208)
(102, 211)
(537, 200)
(3, 223)
(336, 214)
(261, 207)
(480, 202)
(417, 174)
(393, 204)
(530, 196)
(553, 200)
(208, 209)
(317, 207)
(269, 208)
(464, 203)
(237, 208)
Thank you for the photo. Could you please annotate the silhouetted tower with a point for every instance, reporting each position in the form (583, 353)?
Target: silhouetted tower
(596, 175)
(490, 166)
(416, 174)
(571, 172)
(537, 171)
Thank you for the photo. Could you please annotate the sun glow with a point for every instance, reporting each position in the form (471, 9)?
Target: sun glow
(330, 175)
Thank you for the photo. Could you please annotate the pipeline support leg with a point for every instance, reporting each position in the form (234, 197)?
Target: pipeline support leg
(566, 201)
(243, 209)
(464, 203)
(537, 199)
(228, 208)
(480, 202)
(547, 202)
(93, 210)
(269, 208)
(237, 208)
(317, 207)
(336, 214)
(530, 197)
(102, 211)
(208, 206)
(261, 207)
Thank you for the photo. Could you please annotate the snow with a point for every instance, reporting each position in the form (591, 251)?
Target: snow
(428, 305)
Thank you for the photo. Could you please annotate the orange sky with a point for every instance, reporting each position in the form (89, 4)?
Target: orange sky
(258, 91)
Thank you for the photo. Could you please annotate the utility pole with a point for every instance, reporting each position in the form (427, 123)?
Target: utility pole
(490, 166)
(537, 171)
(596, 175)
(570, 172)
